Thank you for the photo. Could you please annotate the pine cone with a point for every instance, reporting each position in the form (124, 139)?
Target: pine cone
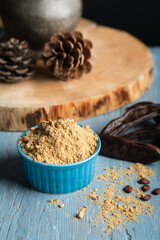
(16, 61)
(68, 55)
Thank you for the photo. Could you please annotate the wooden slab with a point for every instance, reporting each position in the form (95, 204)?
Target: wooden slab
(122, 72)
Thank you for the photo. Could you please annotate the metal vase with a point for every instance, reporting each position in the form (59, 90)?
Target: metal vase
(36, 20)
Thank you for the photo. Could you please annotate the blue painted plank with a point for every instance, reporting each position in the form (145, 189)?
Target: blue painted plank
(25, 213)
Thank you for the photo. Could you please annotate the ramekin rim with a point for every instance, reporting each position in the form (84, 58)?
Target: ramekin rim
(58, 166)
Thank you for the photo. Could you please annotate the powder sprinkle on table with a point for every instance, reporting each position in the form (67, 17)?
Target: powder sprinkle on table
(116, 208)
(143, 171)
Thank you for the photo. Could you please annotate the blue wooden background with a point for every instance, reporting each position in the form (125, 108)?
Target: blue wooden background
(25, 213)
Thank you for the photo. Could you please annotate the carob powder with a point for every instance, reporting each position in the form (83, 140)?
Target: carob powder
(59, 142)
(117, 208)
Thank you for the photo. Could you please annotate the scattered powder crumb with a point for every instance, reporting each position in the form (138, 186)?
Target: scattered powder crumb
(53, 201)
(109, 191)
(50, 200)
(142, 171)
(59, 142)
(123, 182)
(81, 213)
(102, 178)
(118, 190)
(112, 174)
(54, 227)
(128, 173)
(92, 195)
(61, 205)
(138, 193)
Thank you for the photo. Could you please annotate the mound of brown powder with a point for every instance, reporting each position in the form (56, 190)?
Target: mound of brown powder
(59, 142)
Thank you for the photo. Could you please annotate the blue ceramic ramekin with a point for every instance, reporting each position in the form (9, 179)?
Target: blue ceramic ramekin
(50, 178)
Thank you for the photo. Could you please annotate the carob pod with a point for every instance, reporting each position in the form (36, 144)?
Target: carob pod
(134, 115)
(129, 150)
(147, 133)
(157, 119)
(117, 145)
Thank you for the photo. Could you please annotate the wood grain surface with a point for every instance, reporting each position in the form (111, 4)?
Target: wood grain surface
(26, 215)
(122, 72)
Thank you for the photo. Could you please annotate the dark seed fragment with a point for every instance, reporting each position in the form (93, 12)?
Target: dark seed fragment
(145, 188)
(146, 197)
(128, 189)
(144, 181)
(156, 191)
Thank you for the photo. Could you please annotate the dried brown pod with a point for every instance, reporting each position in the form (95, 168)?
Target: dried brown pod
(16, 60)
(129, 150)
(150, 132)
(117, 144)
(68, 55)
(134, 115)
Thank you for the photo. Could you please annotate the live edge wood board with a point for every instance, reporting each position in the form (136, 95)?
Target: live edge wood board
(122, 72)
